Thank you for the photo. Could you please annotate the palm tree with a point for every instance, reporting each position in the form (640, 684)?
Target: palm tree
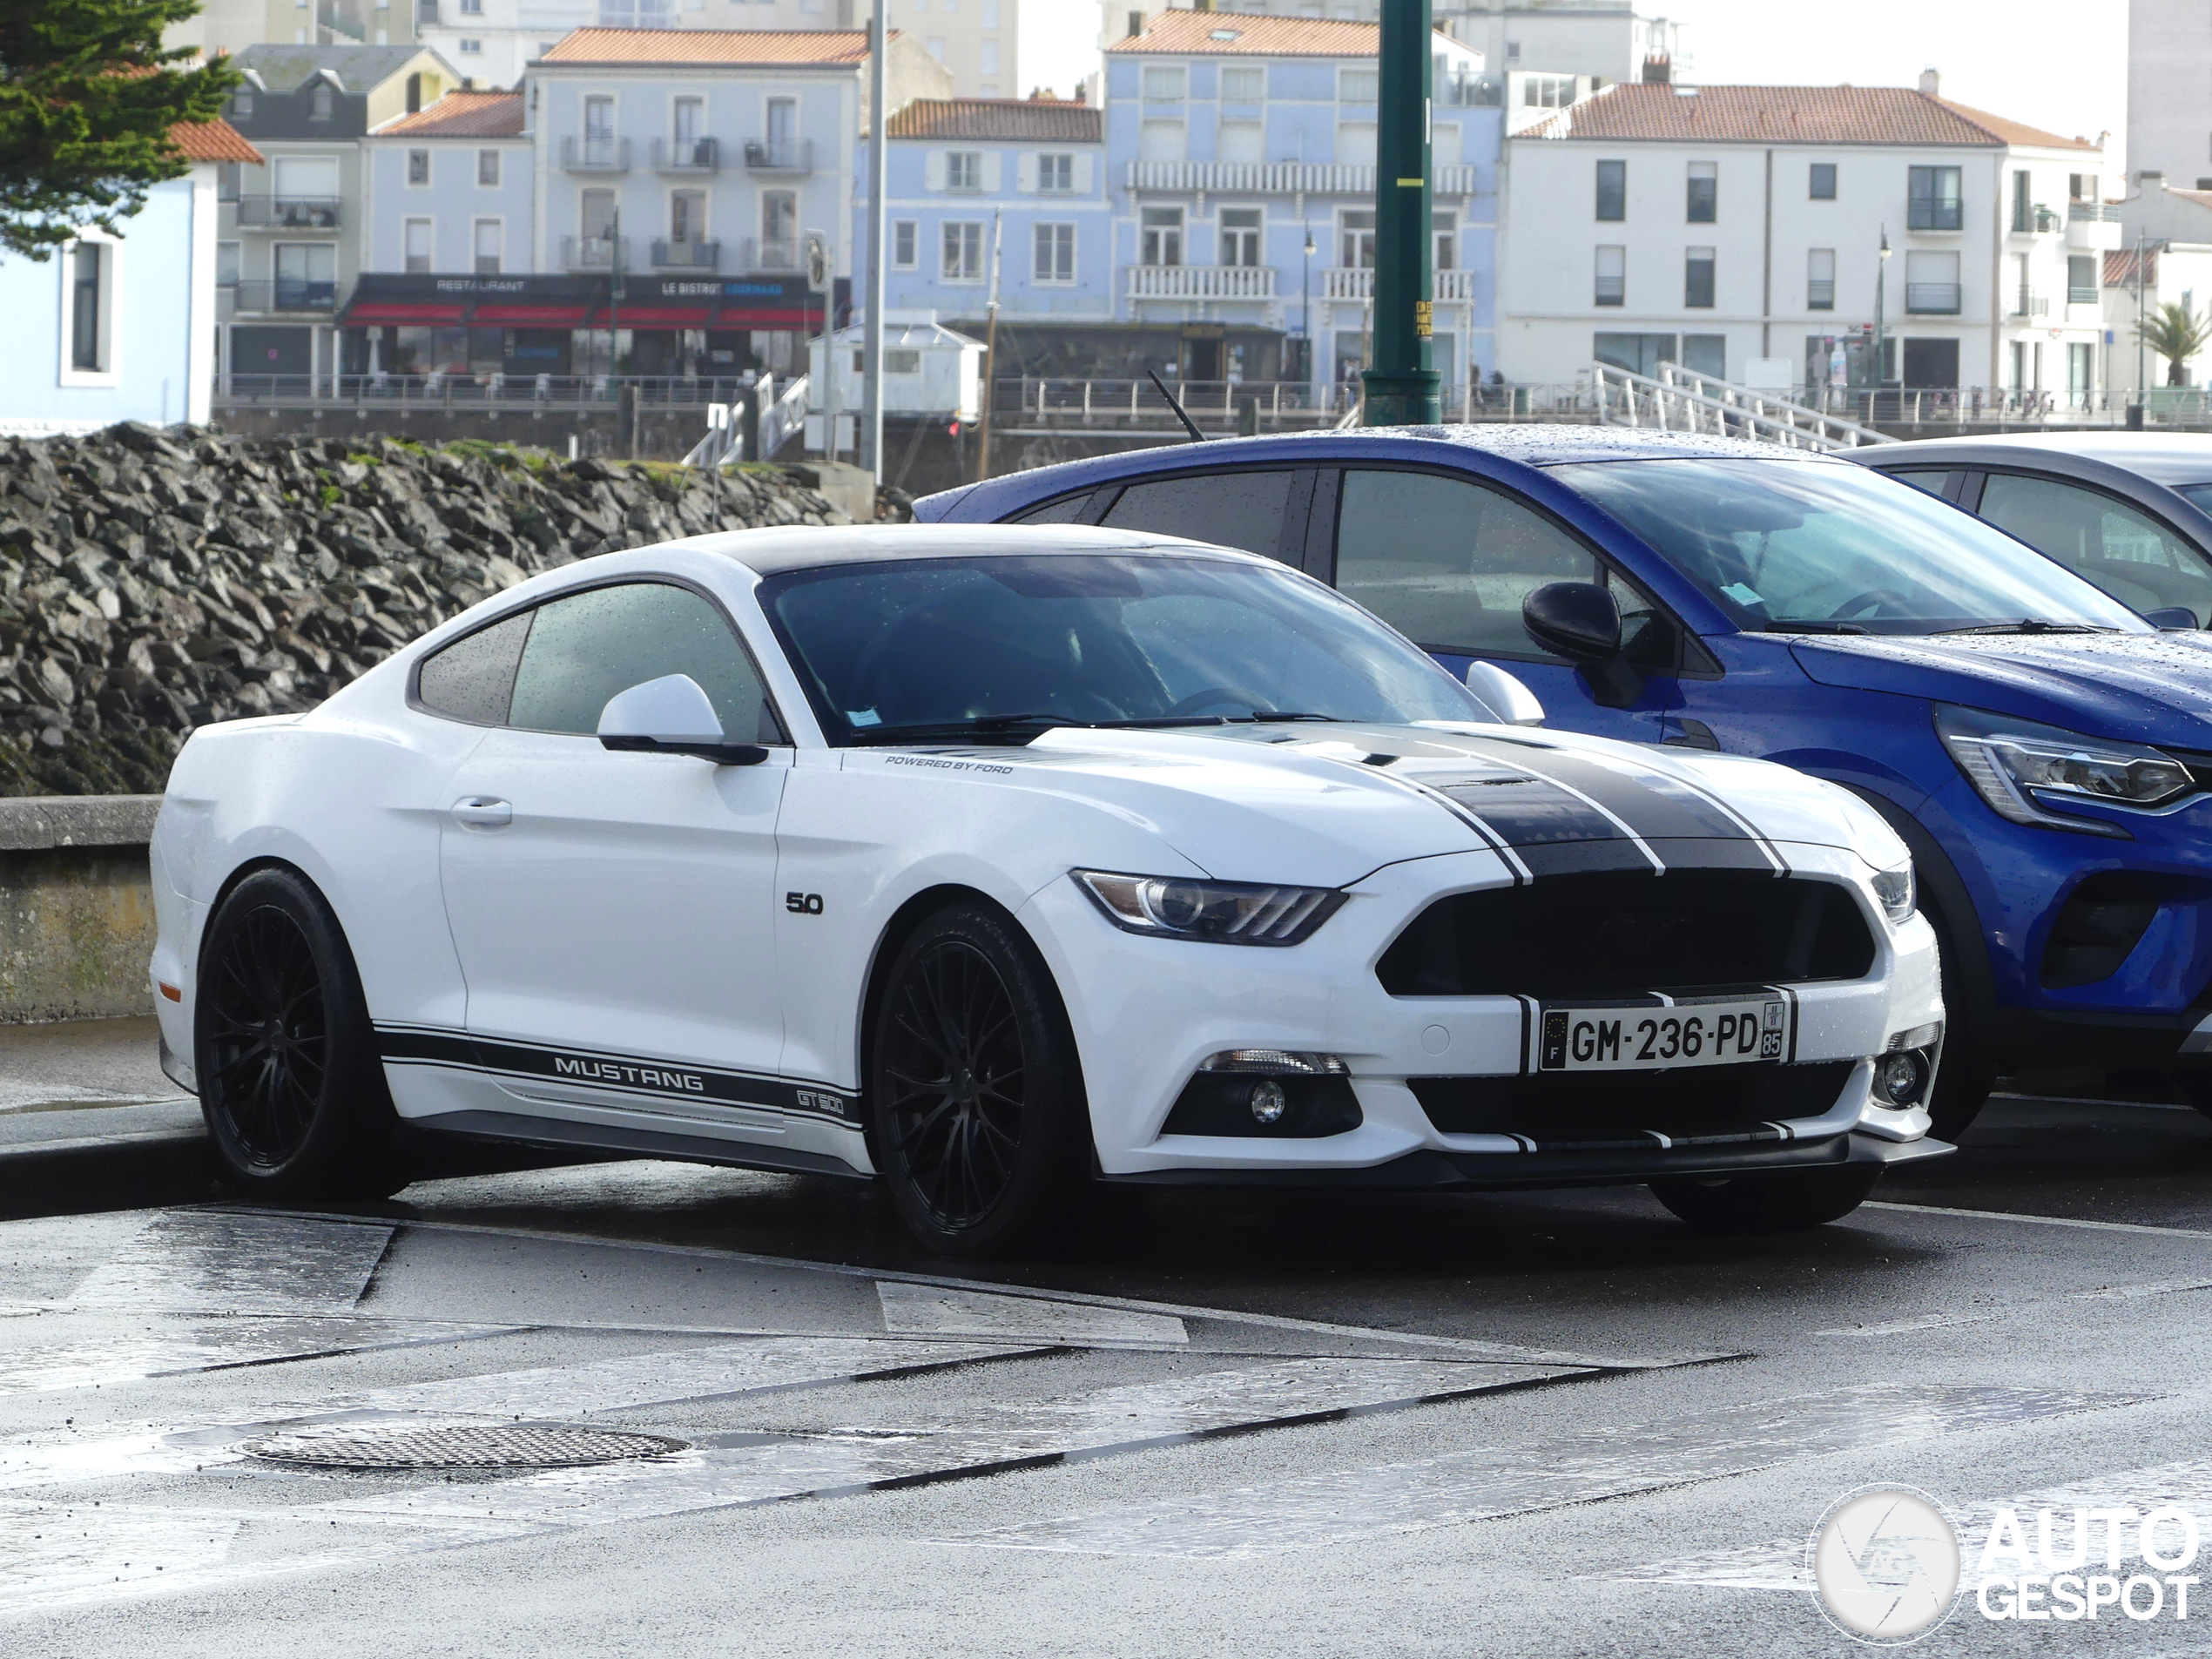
(2176, 333)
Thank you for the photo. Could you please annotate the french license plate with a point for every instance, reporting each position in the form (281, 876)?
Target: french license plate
(1723, 1033)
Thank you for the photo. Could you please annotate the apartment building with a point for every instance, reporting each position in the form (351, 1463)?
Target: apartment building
(2170, 72)
(1243, 149)
(233, 25)
(1753, 231)
(293, 230)
(1024, 179)
(2165, 259)
(451, 189)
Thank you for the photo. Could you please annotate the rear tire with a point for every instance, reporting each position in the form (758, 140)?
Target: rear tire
(290, 1081)
(1785, 1201)
(975, 1092)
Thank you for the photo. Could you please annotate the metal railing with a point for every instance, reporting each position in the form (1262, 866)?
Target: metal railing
(687, 256)
(2093, 212)
(594, 155)
(780, 155)
(288, 212)
(1987, 406)
(687, 155)
(2028, 304)
(286, 294)
(1202, 282)
(485, 389)
(1344, 283)
(754, 254)
(593, 252)
(1680, 399)
(726, 423)
(1932, 299)
(1283, 177)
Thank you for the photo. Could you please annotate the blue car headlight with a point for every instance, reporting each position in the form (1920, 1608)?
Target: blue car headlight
(2023, 769)
(1220, 912)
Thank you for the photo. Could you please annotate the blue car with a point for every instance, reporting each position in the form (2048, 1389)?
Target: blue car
(2045, 752)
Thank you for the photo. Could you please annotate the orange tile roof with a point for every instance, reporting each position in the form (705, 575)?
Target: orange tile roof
(1198, 33)
(462, 115)
(1047, 120)
(735, 46)
(216, 140)
(1791, 114)
(2120, 267)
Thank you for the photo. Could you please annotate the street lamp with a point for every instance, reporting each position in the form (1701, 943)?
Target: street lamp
(1881, 280)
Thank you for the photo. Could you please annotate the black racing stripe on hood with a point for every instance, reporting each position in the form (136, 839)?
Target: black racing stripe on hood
(1528, 811)
(1587, 858)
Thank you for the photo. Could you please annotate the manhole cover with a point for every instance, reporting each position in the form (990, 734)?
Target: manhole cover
(498, 1446)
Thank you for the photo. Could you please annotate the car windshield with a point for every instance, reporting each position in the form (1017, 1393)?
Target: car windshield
(1004, 646)
(1805, 546)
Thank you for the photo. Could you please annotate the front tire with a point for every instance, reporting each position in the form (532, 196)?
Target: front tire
(976, 1093)
(290, 1081)
(1785, 1201)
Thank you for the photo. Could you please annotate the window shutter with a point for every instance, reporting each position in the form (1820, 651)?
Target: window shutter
(1083, 172)
(1026, 173)
(993, 174)
(933, 168)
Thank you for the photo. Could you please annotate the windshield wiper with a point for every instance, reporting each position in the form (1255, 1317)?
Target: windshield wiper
(1813, 627)
(2031, 625)
(1264, 717)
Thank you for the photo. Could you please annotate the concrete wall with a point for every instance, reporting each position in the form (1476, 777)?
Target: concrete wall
(76, 907)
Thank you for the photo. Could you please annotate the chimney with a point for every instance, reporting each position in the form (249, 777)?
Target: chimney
(1931, 82)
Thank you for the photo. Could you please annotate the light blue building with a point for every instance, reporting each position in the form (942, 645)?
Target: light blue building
(1240, 152)
(964, 172)
(451, 189)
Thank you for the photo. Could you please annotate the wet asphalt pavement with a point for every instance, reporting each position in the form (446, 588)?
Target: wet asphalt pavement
(1206, 1424)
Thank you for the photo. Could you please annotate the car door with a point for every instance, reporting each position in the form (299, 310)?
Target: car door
(613, 912)
(1255, 509)
(1447, 561)
(2138, 559)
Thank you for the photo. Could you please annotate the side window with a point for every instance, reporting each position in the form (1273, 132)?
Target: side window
(585, 649)
(1447, 562)
(1066, 511)
(1935, 481)
(2125, 551)
(472, 679)
(1240, 509)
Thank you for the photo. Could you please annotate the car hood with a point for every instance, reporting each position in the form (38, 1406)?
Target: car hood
(1330, 804)
(2149, 687)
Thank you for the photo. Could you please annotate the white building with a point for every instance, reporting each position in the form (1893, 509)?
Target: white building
(450, 188)
(2169, 75)
(1717, 226)
(2171, 230)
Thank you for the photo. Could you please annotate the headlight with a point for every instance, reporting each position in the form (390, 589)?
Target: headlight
(1221, 913)
(2015, 764)
(1894, 889)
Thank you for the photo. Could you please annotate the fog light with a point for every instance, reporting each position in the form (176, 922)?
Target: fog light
(1900, 1077)
(1267, 1100)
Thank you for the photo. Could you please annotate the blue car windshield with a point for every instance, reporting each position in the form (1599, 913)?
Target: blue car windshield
(1008, 646)
(1827, 547)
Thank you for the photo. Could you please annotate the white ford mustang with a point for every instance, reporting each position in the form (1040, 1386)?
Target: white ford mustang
(988, 860)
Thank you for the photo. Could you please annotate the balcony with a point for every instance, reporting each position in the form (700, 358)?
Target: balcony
(687, 155)
(594, 155)
(1202, 282)
(295, 295)
(761, 255)
(780, 155)
(2029, 304)
(686, 256)
(288, 212)
(1281, 178)
(594, 253)
(2093, 227)
(1932, 299)
(1452, 287)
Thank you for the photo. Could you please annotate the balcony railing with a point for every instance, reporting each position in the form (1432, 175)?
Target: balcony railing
(780, 155)
(1932, 299)
(2025, 304)
(687, 256)
(686, 155)
(288, 294)
(594, 155)
(1202, 282)
(1820, 294)
(1282, 178)
(593, 252)
(756, 254)
(288, 212)
(2099, 213)
(1452, 286)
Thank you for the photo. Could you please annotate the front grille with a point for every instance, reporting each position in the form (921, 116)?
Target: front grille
(1700, 1105)
(1623, 933)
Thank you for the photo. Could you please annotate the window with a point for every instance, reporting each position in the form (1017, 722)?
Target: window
(1243, 83)
(307, 276)
(1547, 91)
(1161, 236)
(1444, 232)
(1240, 509)
(472, 8)
(1447, 562)
(418, 167)
(905, 239)
(1161, 141)
(688, 126)
(2130, 555)
(964, 170)
(242, 103)
(320, 102)
(2081, 280)
(987, 58)
(599, 132)
(1356, 144)
(227, 176)
(900, 362)
(487, 168)
(1054, 253)
(1823, 181)
(780, 229)
(227, 265)
(1820, 278)
(1356, 239)
(1704, 192)
(962, 252)
(2081, 187)
(581, 653)
(473, 679)
(1164, 82)
(88, 308)
(1933, 199)
(488, 238)
(1612, 191)
(687, 216)
(1612, 276)
(1638, 354)
(1697, 278)
(2023, 201)
(1359, 84)
(1056, 174)
(415, 245)
(470, 46)
(1240, 229)
(1706, 355)
(596, 218)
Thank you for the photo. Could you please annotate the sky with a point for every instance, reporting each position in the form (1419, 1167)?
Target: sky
(2056, 63)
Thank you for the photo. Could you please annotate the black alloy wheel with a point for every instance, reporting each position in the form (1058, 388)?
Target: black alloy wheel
(976, 1097)
(290, 1081)
(1777, 1201)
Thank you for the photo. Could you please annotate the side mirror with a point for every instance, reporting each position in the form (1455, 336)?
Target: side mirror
(1504, 695)
(1578, 621)
(672, 716)
(2172, 619)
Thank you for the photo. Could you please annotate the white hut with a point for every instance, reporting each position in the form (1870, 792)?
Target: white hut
(928, 370)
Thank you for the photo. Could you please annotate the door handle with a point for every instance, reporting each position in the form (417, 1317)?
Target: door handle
(482, 812)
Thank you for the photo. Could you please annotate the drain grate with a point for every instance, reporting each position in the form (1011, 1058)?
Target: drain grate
(497, 1446)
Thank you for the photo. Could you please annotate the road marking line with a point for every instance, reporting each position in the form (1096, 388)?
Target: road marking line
(190, 1261)
(2041, 1221)
(211, 1343)
(1352, 1505)
(2036, 1308)
(931, 1310)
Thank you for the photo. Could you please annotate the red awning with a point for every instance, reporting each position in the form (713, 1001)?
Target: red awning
(372, 312)
(662, 316)
(811, 317)
(530, 316)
